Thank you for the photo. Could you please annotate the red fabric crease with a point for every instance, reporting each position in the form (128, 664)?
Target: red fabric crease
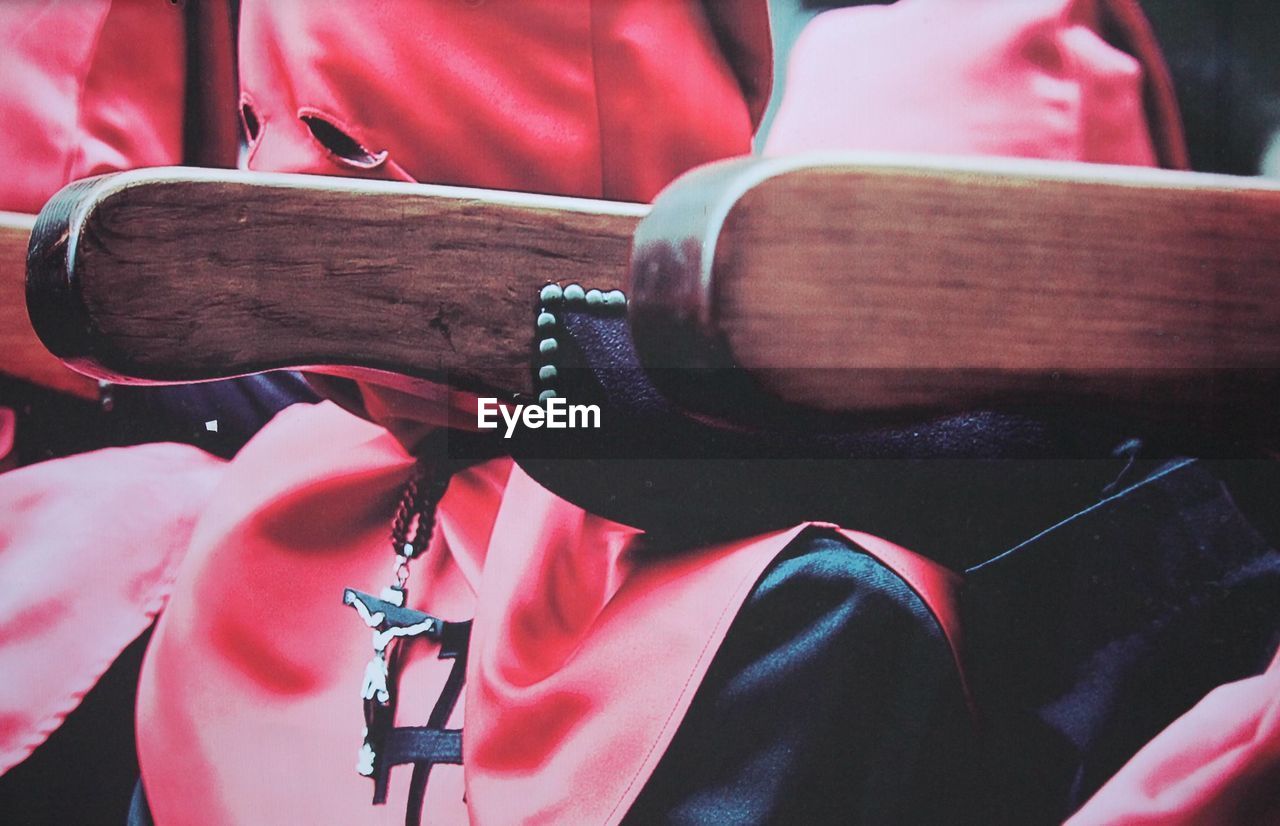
(1214, 766)
(57, 521)
(78, 98)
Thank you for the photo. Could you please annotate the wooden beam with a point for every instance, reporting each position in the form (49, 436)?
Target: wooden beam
(882, 283)
(172, 275)
(22, 356)
(854, 284)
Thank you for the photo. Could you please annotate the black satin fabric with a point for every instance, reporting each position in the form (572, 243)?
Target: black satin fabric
(181, 413)
(835, 699)
(952, 488)
(51, 425)
(1087, 640)
(85, 772)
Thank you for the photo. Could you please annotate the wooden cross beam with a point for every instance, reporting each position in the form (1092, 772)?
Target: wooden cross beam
(846, 283)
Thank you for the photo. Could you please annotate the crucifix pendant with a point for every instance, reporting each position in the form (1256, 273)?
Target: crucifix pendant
(389, 620)
(393, 625)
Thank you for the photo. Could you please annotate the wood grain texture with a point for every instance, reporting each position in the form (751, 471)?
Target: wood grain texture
(848, 284)
(22, 356)
(879, 283)
(185, 275)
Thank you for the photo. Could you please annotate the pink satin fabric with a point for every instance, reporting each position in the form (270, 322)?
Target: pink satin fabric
(8, 429)
(583, 659)
(86, 87)
(89, 547)
(989, 77)
(79, 98)
(1217, 765)
(597, 99)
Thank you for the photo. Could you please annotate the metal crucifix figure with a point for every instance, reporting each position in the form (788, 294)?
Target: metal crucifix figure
(389, 620)
(385, 745)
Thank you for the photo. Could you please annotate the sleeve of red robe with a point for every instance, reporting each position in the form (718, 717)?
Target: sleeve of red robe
(1215, 766)
(1034, 79)
(89, 547)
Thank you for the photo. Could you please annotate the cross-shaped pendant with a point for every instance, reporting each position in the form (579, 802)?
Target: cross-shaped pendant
(389, 620)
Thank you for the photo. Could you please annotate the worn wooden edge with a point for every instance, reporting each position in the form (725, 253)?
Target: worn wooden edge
(87, 239)
(54, 304)
(673, 252)
(16, 222)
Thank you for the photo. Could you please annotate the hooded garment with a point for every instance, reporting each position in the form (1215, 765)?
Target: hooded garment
(248, 708)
